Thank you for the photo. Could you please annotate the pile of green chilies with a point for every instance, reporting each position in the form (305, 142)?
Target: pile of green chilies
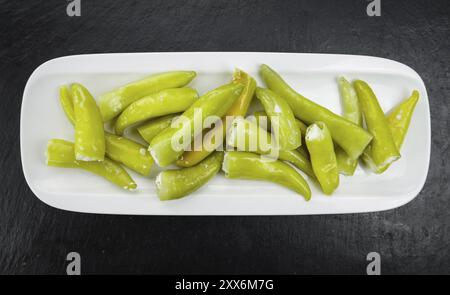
(301, 134)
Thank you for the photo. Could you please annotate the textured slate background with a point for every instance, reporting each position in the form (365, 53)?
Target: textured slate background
(35, 238)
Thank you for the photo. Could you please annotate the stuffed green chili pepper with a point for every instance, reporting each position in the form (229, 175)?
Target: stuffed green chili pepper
(399, 119)
(170, 144)
(323, 159)
(175, 184)
(285, 128)
(246, 165)
(89, 134)
(351, 137)
(61, 153)
(247, 136)
(382, 151)
(152, 128)
(352, 112)
(158, 104)
(129, 153)
(239, 108)
(114, 102)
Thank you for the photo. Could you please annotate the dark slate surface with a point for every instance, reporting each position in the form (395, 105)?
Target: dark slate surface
(35, 238)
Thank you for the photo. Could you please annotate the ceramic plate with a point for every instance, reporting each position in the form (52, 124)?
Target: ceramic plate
(313, 75)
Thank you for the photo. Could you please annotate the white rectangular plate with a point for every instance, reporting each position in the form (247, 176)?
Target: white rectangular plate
(313, 75)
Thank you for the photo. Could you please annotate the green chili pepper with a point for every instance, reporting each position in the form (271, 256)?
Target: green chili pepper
(302, 126)
(214, 103)
(399, 119)
(89, 134)
(152, 128)
(61, 153)
(352, 138)
(323, 159)
(239, 108)
(158, 104)
(66, 100)
(350, 104)
(352, 112)
(382, 150)
(251, 166)
(129, 153)
(286, 130)
(249, 137)
(299, 160)
(114, 102)
(346, 165)
(175, 184)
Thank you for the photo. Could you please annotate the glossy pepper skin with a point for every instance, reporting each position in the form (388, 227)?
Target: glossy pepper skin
(214, 103)
(114, 102)
(382, 151)
(129, 153)
(352, 112)
(286, 130)
(66, 100)
(152, 128)
(158, 104)
(261, 119)
(246, 165)
(323, 159)
(239, 108)
(61, 153)
(175, 184)
(243, 132)
(352, 138)
(89, 133)
(399, 119)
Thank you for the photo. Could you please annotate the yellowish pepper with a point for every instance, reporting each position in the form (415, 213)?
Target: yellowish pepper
(239, 108)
